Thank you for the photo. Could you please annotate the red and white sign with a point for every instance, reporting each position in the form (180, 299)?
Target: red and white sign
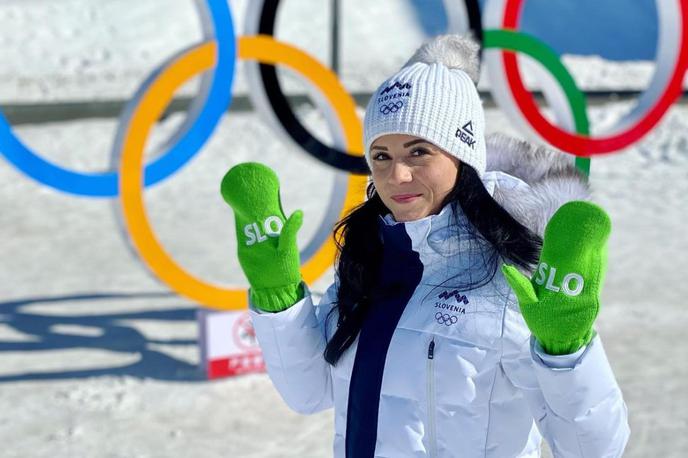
(228, 344)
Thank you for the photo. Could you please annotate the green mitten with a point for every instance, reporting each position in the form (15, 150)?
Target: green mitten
(561, 301)
(267, 248)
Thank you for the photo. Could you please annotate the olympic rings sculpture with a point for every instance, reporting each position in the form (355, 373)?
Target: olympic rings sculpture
(215, 59)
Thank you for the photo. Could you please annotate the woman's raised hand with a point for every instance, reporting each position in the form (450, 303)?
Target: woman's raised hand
(266, 239)
(561, 302)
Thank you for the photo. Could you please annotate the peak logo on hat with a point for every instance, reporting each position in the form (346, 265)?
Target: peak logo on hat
(465, 134)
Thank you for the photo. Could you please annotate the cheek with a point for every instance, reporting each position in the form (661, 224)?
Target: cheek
(379, 185)
(441, 180)
(377, 182)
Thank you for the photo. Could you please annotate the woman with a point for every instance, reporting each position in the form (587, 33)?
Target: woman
(430, 342)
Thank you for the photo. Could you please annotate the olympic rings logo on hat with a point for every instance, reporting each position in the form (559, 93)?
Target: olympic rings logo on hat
(445, 318)
(391, 107)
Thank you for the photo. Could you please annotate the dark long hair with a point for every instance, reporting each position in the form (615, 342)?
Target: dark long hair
(359, 251)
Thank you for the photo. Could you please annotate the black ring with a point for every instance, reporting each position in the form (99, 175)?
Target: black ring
(333, 157)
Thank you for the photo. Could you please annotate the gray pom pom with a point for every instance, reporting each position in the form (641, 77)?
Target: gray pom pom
(452, 51)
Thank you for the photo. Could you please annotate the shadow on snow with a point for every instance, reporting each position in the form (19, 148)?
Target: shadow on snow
(116, 337)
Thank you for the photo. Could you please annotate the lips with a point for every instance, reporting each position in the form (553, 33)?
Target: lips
(403, 198)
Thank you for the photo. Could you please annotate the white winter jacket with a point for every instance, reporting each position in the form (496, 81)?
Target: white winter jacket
(445, 372)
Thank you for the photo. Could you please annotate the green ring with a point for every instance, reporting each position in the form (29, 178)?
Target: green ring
(528, 44)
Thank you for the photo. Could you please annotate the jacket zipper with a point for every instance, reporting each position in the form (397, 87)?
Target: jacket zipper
(430, 391)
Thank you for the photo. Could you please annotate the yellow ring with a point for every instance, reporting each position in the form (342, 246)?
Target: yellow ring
(264, 49)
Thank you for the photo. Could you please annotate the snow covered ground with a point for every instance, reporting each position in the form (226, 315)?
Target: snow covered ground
(97, 358)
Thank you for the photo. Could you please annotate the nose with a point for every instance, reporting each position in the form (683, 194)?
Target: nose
(401, 173)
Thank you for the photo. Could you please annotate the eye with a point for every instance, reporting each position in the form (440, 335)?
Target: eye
(379, 156)
(419, 152)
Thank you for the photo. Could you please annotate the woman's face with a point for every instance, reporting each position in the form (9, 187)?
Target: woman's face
(411, 175)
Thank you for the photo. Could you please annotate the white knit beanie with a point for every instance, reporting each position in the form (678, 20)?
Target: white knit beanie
(434, 97)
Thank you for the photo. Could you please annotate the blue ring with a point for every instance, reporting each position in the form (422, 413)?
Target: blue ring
(106, 184)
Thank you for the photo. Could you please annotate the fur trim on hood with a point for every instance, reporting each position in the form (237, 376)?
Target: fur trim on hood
(551, 176)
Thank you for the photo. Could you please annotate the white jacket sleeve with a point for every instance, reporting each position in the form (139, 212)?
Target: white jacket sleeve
(292, 342)
(578, 409)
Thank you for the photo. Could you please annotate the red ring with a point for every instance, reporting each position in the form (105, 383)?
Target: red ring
(578, 144)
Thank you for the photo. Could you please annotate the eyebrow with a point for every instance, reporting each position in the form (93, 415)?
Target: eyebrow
(413, 142)
(405, 145)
